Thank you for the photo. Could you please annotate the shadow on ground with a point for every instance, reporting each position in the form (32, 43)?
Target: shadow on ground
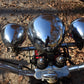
(76, 10)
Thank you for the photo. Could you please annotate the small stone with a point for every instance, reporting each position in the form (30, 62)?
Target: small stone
(21, 4)
(3, 18)
(41, 3)
(20, 79)
(11, 14)
(27, 19)
(18, 19)
(15, 20)
(68, 64)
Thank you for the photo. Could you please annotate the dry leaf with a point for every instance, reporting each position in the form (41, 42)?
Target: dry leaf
(20, 78)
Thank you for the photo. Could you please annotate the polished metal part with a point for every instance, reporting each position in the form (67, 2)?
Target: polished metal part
(16, 70)
(77, 27)
(42, 63)
(46, 31)
(12, 35)
(55, 71)
(60, 59)
(51, 77)
(51, 73)
(76, 67)
(26, 48)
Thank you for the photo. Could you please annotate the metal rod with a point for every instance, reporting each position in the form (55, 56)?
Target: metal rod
(16, 70)
(77, 67)
(26, 48)
(8, 68)
(33, 48)
(68, 44)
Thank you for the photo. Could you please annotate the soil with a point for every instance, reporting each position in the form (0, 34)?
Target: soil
(22, 12)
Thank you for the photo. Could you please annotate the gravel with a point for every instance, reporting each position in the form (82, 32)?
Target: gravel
(22, 12)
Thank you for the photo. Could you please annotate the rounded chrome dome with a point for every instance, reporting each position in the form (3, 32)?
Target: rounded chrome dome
(12, 35)
(46, 31)
(77, 27)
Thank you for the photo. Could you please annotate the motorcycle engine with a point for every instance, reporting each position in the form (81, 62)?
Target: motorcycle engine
(77, 27)
(46, 32)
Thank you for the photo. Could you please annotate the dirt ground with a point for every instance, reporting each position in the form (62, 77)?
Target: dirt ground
(22, 12)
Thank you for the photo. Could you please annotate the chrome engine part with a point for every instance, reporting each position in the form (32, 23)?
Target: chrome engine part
(60, 61)
(42, 63)
(51, 73)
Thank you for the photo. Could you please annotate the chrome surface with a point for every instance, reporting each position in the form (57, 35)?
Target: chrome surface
(26, 48)
(16, 70)
(46, 31)
(42, 63)
(53, 70)
(51, 77)
(60, 59)
(77, 27)
(76, 67)
(50, 74)
(12, 34)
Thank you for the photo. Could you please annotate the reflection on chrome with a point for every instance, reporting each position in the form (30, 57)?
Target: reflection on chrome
(78, 27)
(46, 31)
(12, 34)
